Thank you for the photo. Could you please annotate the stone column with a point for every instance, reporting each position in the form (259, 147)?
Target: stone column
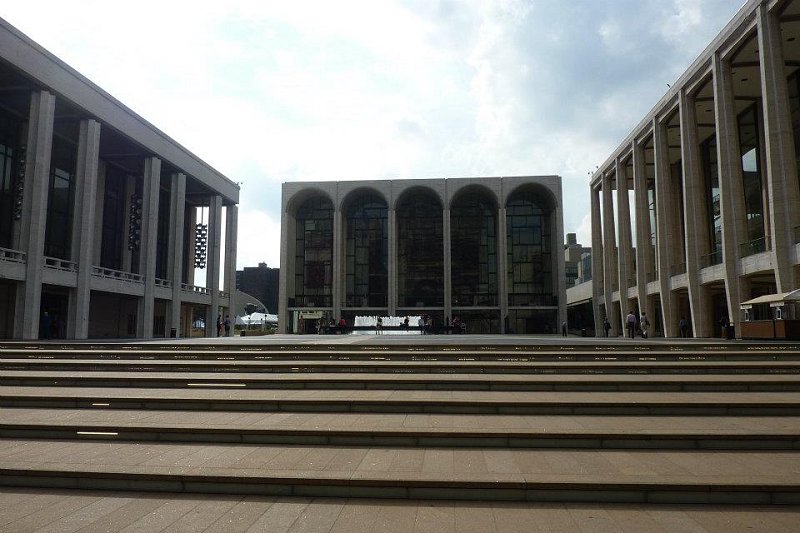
(83, 227)
(782, 184)
(729, 163)
(231, 232)
(287, 270)
(665, 230)
(34, 209)
(212, 263)
(392, 289)
(338, 255)
(625, 249)
(147, 251)
(598, 263)
(643, 263)
(609, 252)
(448, 266)
(695, 209)
(177, 206)
(502, 267)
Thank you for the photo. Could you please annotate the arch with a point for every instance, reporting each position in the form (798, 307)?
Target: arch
(474, 189)
(359, 192)
(366, 250)
(313, 251)
(416, 190)
(420, 248)
(537, 190)
(301, 197)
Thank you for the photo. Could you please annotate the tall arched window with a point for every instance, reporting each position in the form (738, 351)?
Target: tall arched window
(473, 249)
(420, 254)
(314, 253)
(366, 255)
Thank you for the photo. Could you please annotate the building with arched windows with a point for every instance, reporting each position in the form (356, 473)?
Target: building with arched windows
(487, 250)
(696, 214)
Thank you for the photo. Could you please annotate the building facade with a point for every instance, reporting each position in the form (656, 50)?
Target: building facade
(487, 250)
(103, 218)
(574, 260)
(261, 282)
(698, 209)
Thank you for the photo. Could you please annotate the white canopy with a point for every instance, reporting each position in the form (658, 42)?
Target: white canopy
(773, 299)
(256, 319)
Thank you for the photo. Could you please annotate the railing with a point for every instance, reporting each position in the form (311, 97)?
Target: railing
(194, 289)
(165, 283)
(60, 264)
(756, 246)
(677, 268)
(13, 256)
(223, 294)
(109, 273)
(714, 258)
(651, 276)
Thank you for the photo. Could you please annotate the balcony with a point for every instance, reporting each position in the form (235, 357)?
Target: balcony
(108, 273)
(756, 246)
(12, 256)
(714, 258)
(163, 283)
(194, 289)
(677, 269)
(650, 277)
(60, 264)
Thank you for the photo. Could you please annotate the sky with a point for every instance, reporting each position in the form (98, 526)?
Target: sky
(274, 91)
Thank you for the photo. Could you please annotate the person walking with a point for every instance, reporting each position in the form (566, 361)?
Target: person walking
(219, 325)
(630, 324)
(644, 325)
(379, 326)
(723, 326)
(563, 329)
(227, 325)
(606, 326)
(683, 327)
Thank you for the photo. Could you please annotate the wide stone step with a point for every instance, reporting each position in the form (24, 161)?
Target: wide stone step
(408, 367)
(406, 430)
(435, 473)
(417, 381)
(399, 401)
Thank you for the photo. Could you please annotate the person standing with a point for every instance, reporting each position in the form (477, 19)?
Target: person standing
(606, 326)
(723, 325)
(379, 326)
(227, 325)
(630, 324)
(563, 329)
(683, 327)
(219, 325)
(644, 324)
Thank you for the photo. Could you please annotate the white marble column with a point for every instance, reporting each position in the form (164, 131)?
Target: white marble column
(665, 228)
(34, 208)
(448, 265)
(177, 209)
(287, 269)
(729, 163)
(83, 227)
(151, 183)
(598, 263)
(782, 185)
(625, 249)
(642, 206)
(231, 233)
(695, 210)
(213, 262)
(609, 253)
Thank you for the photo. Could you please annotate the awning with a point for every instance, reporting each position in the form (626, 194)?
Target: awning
(773, 299)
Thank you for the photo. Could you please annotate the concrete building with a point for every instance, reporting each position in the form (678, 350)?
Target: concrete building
(261, 282)
(710, 177)
(98, 211)
(487, 250)
(573, 262)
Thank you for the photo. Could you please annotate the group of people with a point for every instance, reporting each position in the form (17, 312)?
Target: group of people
(223, 324)
(632, 324)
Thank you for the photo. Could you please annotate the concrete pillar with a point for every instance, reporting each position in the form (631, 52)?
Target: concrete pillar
(177, 208)
(782, 184)
(625, 248)
(559, 262)
(338, 257)
(643, 260)
(83, 227)
(598, 276)
(448, 266)
(665, 230)
(695, 210)
(285, 271)
(34, 209)
(609, 252)
(212, 263)
(392, 289)
(151, 183)
(502, 267)
(729, 163)
(231, 233)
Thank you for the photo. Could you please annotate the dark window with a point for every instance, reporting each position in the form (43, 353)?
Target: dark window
(58, 231)
(162, 239)
(420, 251)
(530, 265)
(711, 172)
(366, 257)
(473, 249)
(314, 253)
(115, 232)
(9, 142)
(749, 128)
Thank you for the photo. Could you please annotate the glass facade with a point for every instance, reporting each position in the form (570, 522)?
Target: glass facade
(9, 142)
(115, 232)
(58, 231)
(708, 150)
(749, 129)
(420, 250)
(367, 252)
(530, 274)
(162, 237)
(473, 249)
(314, 253)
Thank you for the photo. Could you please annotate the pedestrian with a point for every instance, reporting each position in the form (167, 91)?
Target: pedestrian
(644, 324)
(421, 325)
(227, 324)
(219, 325)
(723, 324)
(606, 326)
(405, 323)
(379, 326)
(563, 329)
(630, 324)
(683, 327)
